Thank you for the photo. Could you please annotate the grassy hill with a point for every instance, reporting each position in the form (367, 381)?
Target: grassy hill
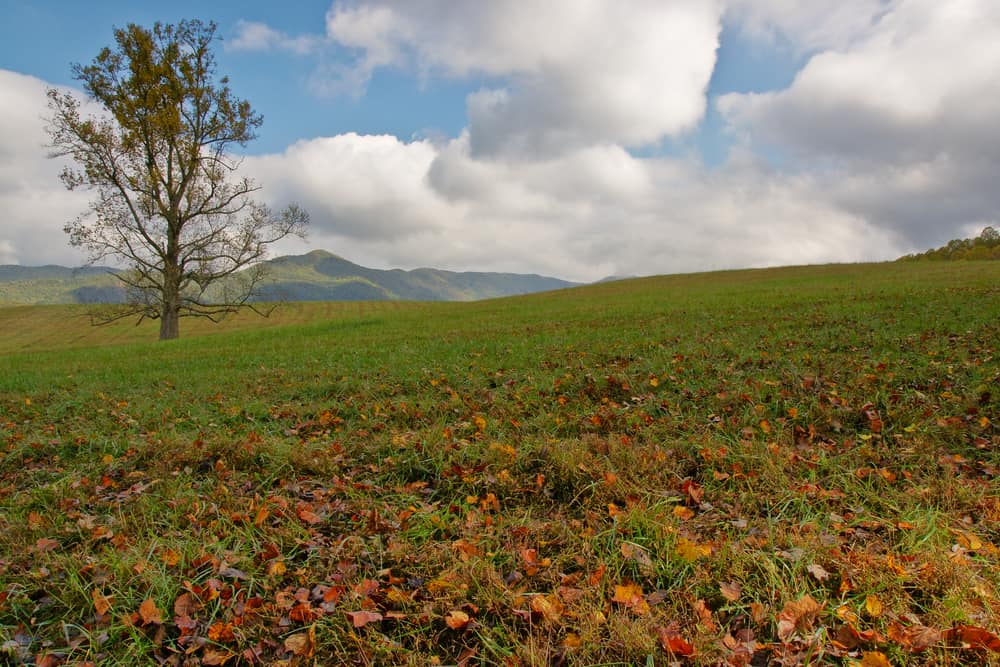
(316, 276)
(786, 466)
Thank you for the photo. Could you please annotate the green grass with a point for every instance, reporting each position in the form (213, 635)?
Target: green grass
(527, 462)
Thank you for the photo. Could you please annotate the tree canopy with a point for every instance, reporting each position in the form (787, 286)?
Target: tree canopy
(169, 199)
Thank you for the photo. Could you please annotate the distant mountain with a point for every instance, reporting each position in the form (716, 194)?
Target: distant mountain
(316, 276)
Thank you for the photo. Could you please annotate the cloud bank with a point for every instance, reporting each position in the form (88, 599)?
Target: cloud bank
(881, 145)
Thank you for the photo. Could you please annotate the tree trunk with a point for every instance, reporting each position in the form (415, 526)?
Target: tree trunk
(169, 320)
(170, 315)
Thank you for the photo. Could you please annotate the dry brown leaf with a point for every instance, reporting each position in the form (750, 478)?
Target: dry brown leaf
(149, 612)
(798, 615)
(302, 644)
(818, 571)
(730, 590)
(102, 604)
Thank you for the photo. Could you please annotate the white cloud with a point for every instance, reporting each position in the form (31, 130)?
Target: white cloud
(34, 205)
(806, 26)
(573, 73)
(901, 121)
(256, 36)
(583, 215)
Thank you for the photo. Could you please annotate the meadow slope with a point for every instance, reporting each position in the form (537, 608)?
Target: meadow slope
(785, 466)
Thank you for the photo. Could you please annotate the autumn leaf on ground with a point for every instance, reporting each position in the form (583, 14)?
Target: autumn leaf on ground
(637, 554)
(691, 551)
(363, 618)
(819, 572)
(976, 638)
(456, 619)
(221, 632)
(549, 608)
(216, 657)
(672, 642)
(730, 590)
(873, 606)
(914, 638)
(102, 604)
(693, 490)
(798, 615)
(302, 644)
(46, 544)
(149, 612)
(631, 596)
(875, 659)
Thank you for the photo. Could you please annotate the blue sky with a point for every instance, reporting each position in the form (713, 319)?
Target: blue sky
(575, 139)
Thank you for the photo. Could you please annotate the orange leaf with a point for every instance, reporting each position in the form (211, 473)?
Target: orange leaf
(976, 638)
(221, 632)
(550, 609)
(101, 604)
(631, 596)
(149, 612)
(875, 659)
(873, 606)
(363, 618)
(456, 619)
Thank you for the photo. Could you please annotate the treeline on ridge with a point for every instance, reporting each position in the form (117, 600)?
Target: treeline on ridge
(984, 246)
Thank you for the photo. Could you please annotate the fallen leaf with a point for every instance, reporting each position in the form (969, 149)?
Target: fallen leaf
(637, 554)
(47, 544)
(631, 596)
(672, 642)
(221, 632)
(149, 612)
(691, 551)
(363, 618)
(550, 609)
(818, 571)
(730, 590)
(102, 604)
(974, 637)
(914, 638)
(797, 615)
(302, 644)
(456, 619)
(875, 659)
(873, 606)
(215, 657)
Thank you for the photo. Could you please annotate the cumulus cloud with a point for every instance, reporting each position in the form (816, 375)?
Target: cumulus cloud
(807, 26)
(585, 214)
(34, 205)
(573, 73)
(256, 36)
(902, 120)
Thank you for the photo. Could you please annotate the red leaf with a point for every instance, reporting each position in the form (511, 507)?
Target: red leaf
(976, 638)
(672, 642)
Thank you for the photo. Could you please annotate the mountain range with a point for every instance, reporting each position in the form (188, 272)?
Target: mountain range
(315, 276)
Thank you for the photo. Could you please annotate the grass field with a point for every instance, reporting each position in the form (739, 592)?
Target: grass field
(787, 466)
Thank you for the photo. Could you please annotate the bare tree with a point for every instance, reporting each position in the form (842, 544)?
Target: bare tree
(169, 200)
